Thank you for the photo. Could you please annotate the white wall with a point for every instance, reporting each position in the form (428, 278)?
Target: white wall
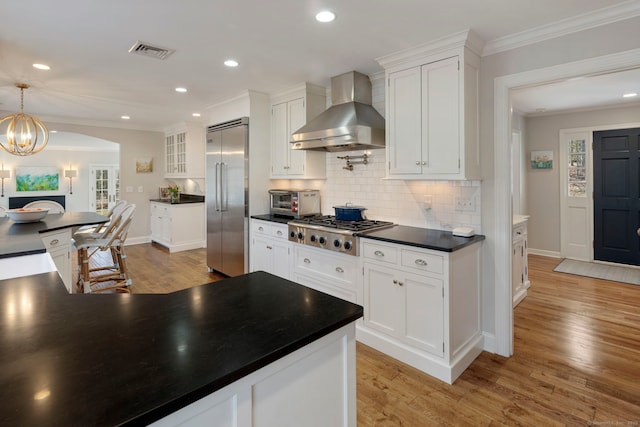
(618, 37)
(544, 184)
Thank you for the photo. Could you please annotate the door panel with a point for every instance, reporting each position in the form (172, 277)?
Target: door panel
(617, 195)
(214, 219)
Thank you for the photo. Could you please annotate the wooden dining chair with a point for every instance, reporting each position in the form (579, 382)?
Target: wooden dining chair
(92, 280)
(98, 230)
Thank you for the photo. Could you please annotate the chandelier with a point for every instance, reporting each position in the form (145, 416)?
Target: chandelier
(26, 135)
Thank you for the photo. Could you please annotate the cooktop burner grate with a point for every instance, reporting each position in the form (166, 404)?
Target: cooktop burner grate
(330, 221)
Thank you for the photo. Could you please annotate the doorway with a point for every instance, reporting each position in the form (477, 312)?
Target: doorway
(502, 203)
(616, 196)
(104, 187)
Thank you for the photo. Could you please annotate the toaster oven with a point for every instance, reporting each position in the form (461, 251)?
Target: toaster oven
(294, 203)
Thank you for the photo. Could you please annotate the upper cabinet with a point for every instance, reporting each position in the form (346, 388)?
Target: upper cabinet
(432, 110)
(184, 148)
(289, 112)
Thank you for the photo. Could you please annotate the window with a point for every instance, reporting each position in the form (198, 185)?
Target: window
(577, 168)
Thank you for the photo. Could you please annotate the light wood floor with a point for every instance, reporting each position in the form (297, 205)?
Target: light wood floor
(576, 361)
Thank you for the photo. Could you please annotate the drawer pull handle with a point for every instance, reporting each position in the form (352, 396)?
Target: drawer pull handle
(269, 247)
(55, 242)
(339, 269)
(421, 262)
(378, 253)
(260, 229)
(279, 233)
(307, 260)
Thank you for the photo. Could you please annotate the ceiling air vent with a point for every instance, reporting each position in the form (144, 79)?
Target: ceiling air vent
(146, 49)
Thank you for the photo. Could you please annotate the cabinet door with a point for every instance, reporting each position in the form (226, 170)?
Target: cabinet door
(261, 254)
(440, 117)
(424, 313)
(382, 299)
(169, 154)
(279, 130)
(181, 154)
(517, 272)
(296, 119)
(281, 261)
(166, 233)
(404, 122)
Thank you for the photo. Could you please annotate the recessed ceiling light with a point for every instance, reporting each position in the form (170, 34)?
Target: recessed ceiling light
(125, 117)
(53, 131)
(41, 66)
(325, 16)
(181, 89)
(196, 114)
(629, 95)
(231, 63)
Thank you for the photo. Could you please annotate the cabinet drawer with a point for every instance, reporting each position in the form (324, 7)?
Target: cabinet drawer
(55, 241)
(423, 261)
(379, 252)
(265, 228)
(338, 270)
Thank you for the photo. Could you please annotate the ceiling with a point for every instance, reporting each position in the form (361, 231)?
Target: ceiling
(94, 80)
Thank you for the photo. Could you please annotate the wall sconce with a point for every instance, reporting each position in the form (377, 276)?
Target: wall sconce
(4, 173)
(70, 173)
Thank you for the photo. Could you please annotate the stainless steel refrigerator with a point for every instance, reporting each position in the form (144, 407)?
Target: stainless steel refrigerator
(227, 196)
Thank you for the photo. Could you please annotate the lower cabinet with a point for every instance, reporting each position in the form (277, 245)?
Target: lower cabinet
(270, 248)
(178, 227)
(314, 386)
(330, 272)
(421, 306)
(58, 244)
(406, 306)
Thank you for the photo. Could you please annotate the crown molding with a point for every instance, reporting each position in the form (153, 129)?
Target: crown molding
(564, 27)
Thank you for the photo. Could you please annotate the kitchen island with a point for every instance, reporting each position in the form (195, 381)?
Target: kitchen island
(257, 349)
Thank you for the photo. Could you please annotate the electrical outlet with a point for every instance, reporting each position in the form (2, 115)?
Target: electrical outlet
(464, 204)
(140, 189)
(427, 201)
(129, 189)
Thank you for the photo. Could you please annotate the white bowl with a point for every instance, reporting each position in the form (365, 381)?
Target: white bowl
(27, 214)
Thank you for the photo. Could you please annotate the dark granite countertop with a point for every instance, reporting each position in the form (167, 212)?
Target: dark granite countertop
(273, 218)
(24, 239)
(132, 358)
(426, 238)
(184, 199)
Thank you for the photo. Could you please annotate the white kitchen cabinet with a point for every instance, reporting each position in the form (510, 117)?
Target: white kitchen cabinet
(422, 306)
(520, 267)
(270, 248)
(432, 111)
(178, 227)
(58, 244)
(184, 151)
(289, 112)
(330, 272)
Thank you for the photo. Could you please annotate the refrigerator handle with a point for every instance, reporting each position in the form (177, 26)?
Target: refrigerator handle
(217, 186)
(224, 196)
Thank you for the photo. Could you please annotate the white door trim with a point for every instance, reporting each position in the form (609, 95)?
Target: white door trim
(502, 171)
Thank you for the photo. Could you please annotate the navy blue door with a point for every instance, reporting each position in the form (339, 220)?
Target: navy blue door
(616, 195)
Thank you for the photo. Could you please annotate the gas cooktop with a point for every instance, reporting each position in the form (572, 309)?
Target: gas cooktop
(327, 232)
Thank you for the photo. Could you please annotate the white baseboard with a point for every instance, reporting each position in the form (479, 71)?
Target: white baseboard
(541, 252)
(137, 240)
(489, 342)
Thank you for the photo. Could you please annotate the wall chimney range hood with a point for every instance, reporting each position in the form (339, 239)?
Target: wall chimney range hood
(351, 123)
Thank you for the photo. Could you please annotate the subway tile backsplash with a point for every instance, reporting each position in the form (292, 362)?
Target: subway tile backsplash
(395, 200)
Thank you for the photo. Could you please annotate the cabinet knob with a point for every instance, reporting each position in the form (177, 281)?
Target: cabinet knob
(339, 269)
(279, 233)
(421, 262)
(424, 163)
(395, 282)
(55, 242)
(260, 229)
(307, 261)
(269, 247)
(378, 253)
(417, 162)
(400, 284)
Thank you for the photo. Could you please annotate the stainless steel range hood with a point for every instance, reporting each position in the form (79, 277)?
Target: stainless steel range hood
(351, 123)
